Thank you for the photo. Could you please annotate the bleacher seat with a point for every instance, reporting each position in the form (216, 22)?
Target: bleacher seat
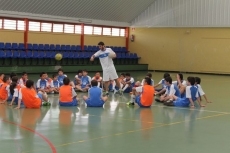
(35, 46)
(78, 48)
(58, 47)
(16, 54)
(35, 54)
(29, 54)
(14, 46)
(47, 47)
(2, 54)
(9, 54)
(94, 48)
(73, 48)
(8, 46)
(29, 46)
(68, 48)
(63, 48)
(23, 54)
(85, 48)
(52, 47)
(41, 47)
(123, 49)
(2, 46)
(71, 54)
(119, 49)
(65, 54)
(90, 48)
(21, 46)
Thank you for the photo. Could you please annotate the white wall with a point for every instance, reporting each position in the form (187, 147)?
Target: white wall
(185, 13)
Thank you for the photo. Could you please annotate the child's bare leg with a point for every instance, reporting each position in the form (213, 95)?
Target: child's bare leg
(104, 98)
(85, 98)
(79, 88)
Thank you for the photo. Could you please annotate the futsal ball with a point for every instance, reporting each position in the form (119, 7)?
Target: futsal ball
(58, 56)
(112, 54)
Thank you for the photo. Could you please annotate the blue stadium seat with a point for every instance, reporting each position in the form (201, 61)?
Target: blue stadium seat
(123, 56)
(71, 55)
(73, 48)
(47, 47)
(8, 46)
(63, 48)
(29, 46)
(123, 49)
(90, 48)
(52, 47)
(2, 54)
(119, 49)
(35, 46)
(94, 49)
(41, 54)
(16, 54)
(78, 48)
(14, 46)
(2, 46)
(23, 54)
(35, 54)
(41, 47)
(68, 48)
(115, 49)
(21, 46)
(58, 47)
(29, 54)
(85, 48)
(76, 55)
(65, 54)
(9, 54)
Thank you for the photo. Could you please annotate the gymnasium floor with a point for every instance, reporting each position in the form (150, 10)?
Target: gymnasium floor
(117, 128)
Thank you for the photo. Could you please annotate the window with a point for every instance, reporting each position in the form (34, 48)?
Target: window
(115, 31)
(68, 28)
(0, 23)
(88, 30)
(21, 25)
(46, 27)
(34, 26)
(107, 31)
(10, 24)
(97, 30)
(78, 29)
(122, 32)
(57, 27)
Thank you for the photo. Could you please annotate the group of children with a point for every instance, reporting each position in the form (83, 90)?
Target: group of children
(180, 93)
(172, 93)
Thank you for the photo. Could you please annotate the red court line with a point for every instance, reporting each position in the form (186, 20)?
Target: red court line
(40, 135)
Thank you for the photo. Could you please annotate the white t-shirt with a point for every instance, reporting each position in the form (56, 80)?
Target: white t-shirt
(106, 61)
(131, 80)
(21, 83)
(200, 90)
(171, 91)
(184, 83)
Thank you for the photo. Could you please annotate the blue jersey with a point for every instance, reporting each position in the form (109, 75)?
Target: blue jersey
(42, 84)
(191, 92)
(94, 99)
(60, 79)
(56, 84)
(173, 90)
(85, 80)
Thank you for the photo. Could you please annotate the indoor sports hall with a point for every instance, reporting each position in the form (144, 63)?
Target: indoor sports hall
(176, 37)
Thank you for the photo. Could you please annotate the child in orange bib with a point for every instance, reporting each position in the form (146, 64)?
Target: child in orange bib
(4, 89)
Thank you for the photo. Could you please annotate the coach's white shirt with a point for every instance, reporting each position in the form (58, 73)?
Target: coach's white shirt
(106, 61)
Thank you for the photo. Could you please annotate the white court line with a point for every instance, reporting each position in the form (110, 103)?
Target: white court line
(201, 110)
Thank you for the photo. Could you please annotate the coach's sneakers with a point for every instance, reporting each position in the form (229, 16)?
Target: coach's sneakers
(107, 93)
(120, 92)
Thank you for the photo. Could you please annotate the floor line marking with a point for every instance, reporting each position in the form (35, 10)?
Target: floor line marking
(52, 147)
(129, 132)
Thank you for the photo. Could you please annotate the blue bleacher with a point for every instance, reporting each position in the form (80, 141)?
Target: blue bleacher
(48, 51)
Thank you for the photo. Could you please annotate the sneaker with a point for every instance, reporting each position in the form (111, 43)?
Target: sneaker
(115, 91)
(107, 93)
(169, 103)
(120, 92)
(157, 100)
(46, 103)
(130, 104)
